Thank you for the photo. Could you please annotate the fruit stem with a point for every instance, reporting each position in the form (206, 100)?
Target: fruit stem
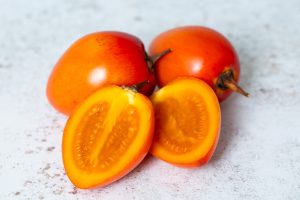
(151, 60)
(156, 57)
(138, 86)
(226, 81)
(232, 85)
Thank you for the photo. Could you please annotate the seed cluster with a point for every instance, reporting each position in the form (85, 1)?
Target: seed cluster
(87, 133)
(117, 142)
(181, 122)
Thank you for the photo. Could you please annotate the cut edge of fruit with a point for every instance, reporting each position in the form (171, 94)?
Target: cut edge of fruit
(214, 112)
(133, 156)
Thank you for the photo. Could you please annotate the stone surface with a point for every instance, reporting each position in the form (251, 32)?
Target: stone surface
(258, 156)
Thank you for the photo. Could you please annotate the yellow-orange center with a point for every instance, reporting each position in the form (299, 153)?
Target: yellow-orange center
(181, 122)
(104, 135)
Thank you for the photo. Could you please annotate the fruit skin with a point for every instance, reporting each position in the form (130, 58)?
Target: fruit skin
(95, 60)
(92, 178)
(197, 51)
(177, 89)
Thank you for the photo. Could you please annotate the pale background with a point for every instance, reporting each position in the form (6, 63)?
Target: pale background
(258, 156)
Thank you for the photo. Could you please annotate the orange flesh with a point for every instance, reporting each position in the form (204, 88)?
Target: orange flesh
(107, 136)
(117, 141)
(187, 122)
(187, 116)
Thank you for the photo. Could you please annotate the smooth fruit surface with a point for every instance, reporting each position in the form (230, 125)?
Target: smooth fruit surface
(187, 122)
(96, 60)
(107, 136)
(198, 52)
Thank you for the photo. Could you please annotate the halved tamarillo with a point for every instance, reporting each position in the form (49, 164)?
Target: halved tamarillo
(187, 122)
(107, 136)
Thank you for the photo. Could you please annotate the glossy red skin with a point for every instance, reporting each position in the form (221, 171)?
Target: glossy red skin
(76, 75)
(197, 51)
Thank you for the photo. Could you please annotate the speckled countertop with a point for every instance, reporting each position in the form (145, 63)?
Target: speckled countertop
(258, 156)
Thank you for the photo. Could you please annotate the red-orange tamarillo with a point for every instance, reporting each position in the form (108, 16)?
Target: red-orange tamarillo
(198, 52)
(96, 60)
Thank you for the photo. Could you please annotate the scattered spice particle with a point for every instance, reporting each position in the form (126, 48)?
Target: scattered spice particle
(50, 149)
(262, 90)
(28, 152)
(74, 191)
(46, 167)
(58, 191)
(26, 183)
(39, 148)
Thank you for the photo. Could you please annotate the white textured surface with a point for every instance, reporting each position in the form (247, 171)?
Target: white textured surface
(258, 156)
